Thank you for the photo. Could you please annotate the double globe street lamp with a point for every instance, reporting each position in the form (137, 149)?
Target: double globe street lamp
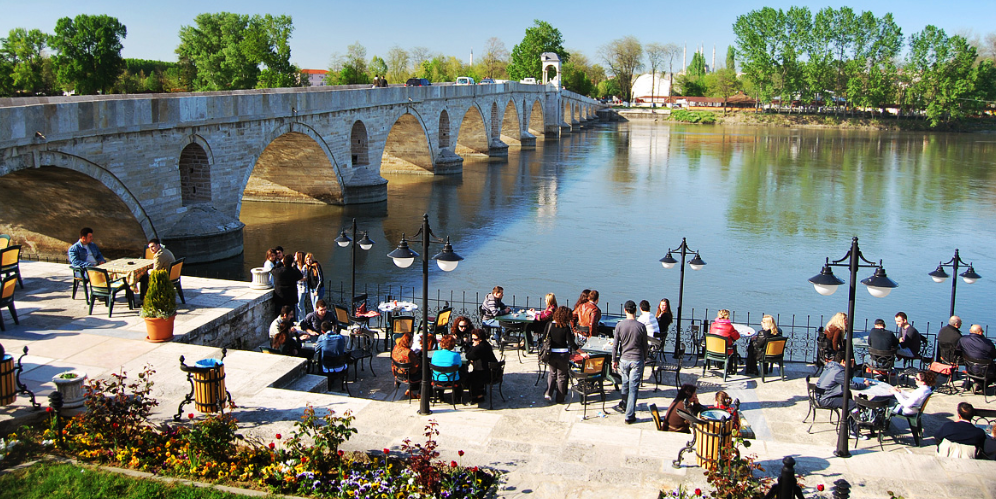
(696, 264)
(447, 260)
(365, 244)
(879, 286)
(940, 275)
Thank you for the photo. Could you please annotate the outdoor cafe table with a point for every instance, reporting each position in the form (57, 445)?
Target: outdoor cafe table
(131, 269)
(875, 390)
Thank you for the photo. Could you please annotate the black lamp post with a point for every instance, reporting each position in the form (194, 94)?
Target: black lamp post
(447, 261)
(879, 286)
(696, 264)
(969, 275)
(365, 244)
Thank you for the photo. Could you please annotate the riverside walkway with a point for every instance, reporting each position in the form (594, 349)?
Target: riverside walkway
(546, 451)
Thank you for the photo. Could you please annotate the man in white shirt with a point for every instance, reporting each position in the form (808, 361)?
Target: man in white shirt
(648, 319)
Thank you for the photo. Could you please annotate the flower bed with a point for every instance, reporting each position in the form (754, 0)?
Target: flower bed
(115, 429)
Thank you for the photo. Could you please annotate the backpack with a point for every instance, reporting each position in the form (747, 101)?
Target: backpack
(544, 348)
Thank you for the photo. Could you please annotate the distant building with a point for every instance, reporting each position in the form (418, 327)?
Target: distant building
(648, 89)
(316, 77)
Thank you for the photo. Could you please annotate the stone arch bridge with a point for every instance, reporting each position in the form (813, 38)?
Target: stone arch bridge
(178, 166)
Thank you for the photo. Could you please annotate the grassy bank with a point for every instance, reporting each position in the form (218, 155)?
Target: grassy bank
(49, 480)
(855, 123)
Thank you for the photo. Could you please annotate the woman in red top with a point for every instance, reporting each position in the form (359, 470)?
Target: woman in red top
(723, 327)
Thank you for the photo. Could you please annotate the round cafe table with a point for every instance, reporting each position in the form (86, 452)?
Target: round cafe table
(394, 306)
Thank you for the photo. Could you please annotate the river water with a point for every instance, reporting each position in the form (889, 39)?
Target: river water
(764, 206)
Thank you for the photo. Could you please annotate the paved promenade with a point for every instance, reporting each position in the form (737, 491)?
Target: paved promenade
(546, 451)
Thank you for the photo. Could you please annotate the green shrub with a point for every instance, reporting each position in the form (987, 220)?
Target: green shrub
(687, 116)
(160, 299)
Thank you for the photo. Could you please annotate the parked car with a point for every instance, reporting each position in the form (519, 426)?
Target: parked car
(530, 81)
(417, 82)
(465, 80)
(487, 81)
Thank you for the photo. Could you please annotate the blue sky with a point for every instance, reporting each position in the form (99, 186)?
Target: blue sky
(455, 28)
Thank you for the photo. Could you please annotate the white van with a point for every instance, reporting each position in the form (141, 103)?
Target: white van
(530, 81)
(464, 80)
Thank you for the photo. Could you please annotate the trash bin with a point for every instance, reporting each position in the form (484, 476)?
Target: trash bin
(712, 436)
(209, 385)
(8, 387)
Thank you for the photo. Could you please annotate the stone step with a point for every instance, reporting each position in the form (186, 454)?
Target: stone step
(308, 383)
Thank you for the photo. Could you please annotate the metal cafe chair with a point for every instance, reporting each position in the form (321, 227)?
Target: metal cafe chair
(402, 375)
(663, 367)
(448, 380)
(882, 363)
(915, 422)
(496, 376)
(814, 393)
(79, 279)
(588, 381)
(979, 372)
(871, 414)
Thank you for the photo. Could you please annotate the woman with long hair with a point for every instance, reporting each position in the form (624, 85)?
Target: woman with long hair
(302, 286)
(687, 400)
(403, 354)
(284, 342)
(562, 343)
(757, 344)
(480, 355)
(835, 331)
(315, 277)
(540, 320)
(461, 329)
(577, 305)
(664, 316)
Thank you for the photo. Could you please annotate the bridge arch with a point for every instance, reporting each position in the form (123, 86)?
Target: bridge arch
(407, 149)
(359, 145)
(511, 126)
(472, 139)
(535, 123)
(195, 164)
(51, 195)
(295, 165)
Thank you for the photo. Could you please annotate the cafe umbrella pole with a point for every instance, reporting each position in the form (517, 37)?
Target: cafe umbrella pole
(879, 286)
(940, 275)
(668, 262)
(447, 260)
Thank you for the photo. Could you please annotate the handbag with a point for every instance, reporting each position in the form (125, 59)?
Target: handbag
(941, 368)
(544, 349)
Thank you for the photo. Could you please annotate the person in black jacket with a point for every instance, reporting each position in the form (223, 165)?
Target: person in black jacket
(947, 339)
(562, 343)
(285, 280)
(480, 354)
(880, 338)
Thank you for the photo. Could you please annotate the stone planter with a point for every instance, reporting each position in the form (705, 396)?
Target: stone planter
(71, 389)
(260, 279)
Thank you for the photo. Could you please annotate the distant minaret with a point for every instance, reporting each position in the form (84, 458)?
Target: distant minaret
(684, 58)
(713, 67)
(472, 56)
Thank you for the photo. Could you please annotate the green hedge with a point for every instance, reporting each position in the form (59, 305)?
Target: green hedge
(686, 116)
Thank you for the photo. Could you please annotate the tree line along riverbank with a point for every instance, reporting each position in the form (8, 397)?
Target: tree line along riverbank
(811, 120)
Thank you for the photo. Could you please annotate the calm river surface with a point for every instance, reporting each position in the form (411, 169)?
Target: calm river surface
(764, 206)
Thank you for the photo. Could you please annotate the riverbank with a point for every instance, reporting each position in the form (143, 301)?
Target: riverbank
(750, 118)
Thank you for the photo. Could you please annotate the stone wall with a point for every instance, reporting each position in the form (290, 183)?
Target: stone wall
(242, 328)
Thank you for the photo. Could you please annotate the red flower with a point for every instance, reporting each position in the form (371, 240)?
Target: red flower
(474, 469)
(820, 487)
(114, 425)
(48, 409)
(272, 445)
(453, 464)
(386, 450)
(278, 436)
(190, 415)
(460, 453)
(340, 452)
(698, 492)
(304, 459)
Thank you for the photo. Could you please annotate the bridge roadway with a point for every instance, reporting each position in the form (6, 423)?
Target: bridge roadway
(178, 166)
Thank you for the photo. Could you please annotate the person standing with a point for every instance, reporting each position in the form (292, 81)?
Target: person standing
(285, 279)
(909, 337)
(562, 343)
(629, 355)
(316, 279)
(84, 253)
(648, 320)
(947, 340)
(271, 263)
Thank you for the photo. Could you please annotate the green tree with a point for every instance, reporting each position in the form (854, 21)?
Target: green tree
(377, 66)
(89, 48)
(697, 68)
(624, 57)
(397, 65)
(723, 84)
(731, 58)
(575, 78)
(226, 51)
(6, 81)
(23, 50)
(495, 62)
(609, 88)
(525, 59)
(656, 55)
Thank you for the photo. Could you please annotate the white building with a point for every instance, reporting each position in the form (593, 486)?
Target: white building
(649, 89)
(316, 77)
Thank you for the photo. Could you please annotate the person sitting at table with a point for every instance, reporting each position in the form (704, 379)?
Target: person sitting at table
(417, 341)
(881, 338)
(286, 316)
(162, 259)
(686, 400)
(562, 343)
(756, 345)
(725, 402)
(947, 339)
(479, 354)
(589, 315)
(648, 320)
(582, 299)
(909, 337)
(835, 332)
(493, 306)
(403, 354)
(332, 347)
(961, 431)
(977, 346)
(446, 357)
(908, 404)
(285, 342)
(722, 326)
(312, 323)
(84, 253)
(664, 317)
(540, 320)
(461, 328)
(832, 381)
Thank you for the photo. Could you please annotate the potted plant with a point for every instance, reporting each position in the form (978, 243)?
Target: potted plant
(70, 385)
(159, 307)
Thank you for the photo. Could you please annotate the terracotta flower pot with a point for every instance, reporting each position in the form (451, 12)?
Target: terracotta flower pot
(159, 330)
(71, 389)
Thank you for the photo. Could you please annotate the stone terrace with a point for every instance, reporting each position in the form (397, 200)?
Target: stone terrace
(547, 452)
